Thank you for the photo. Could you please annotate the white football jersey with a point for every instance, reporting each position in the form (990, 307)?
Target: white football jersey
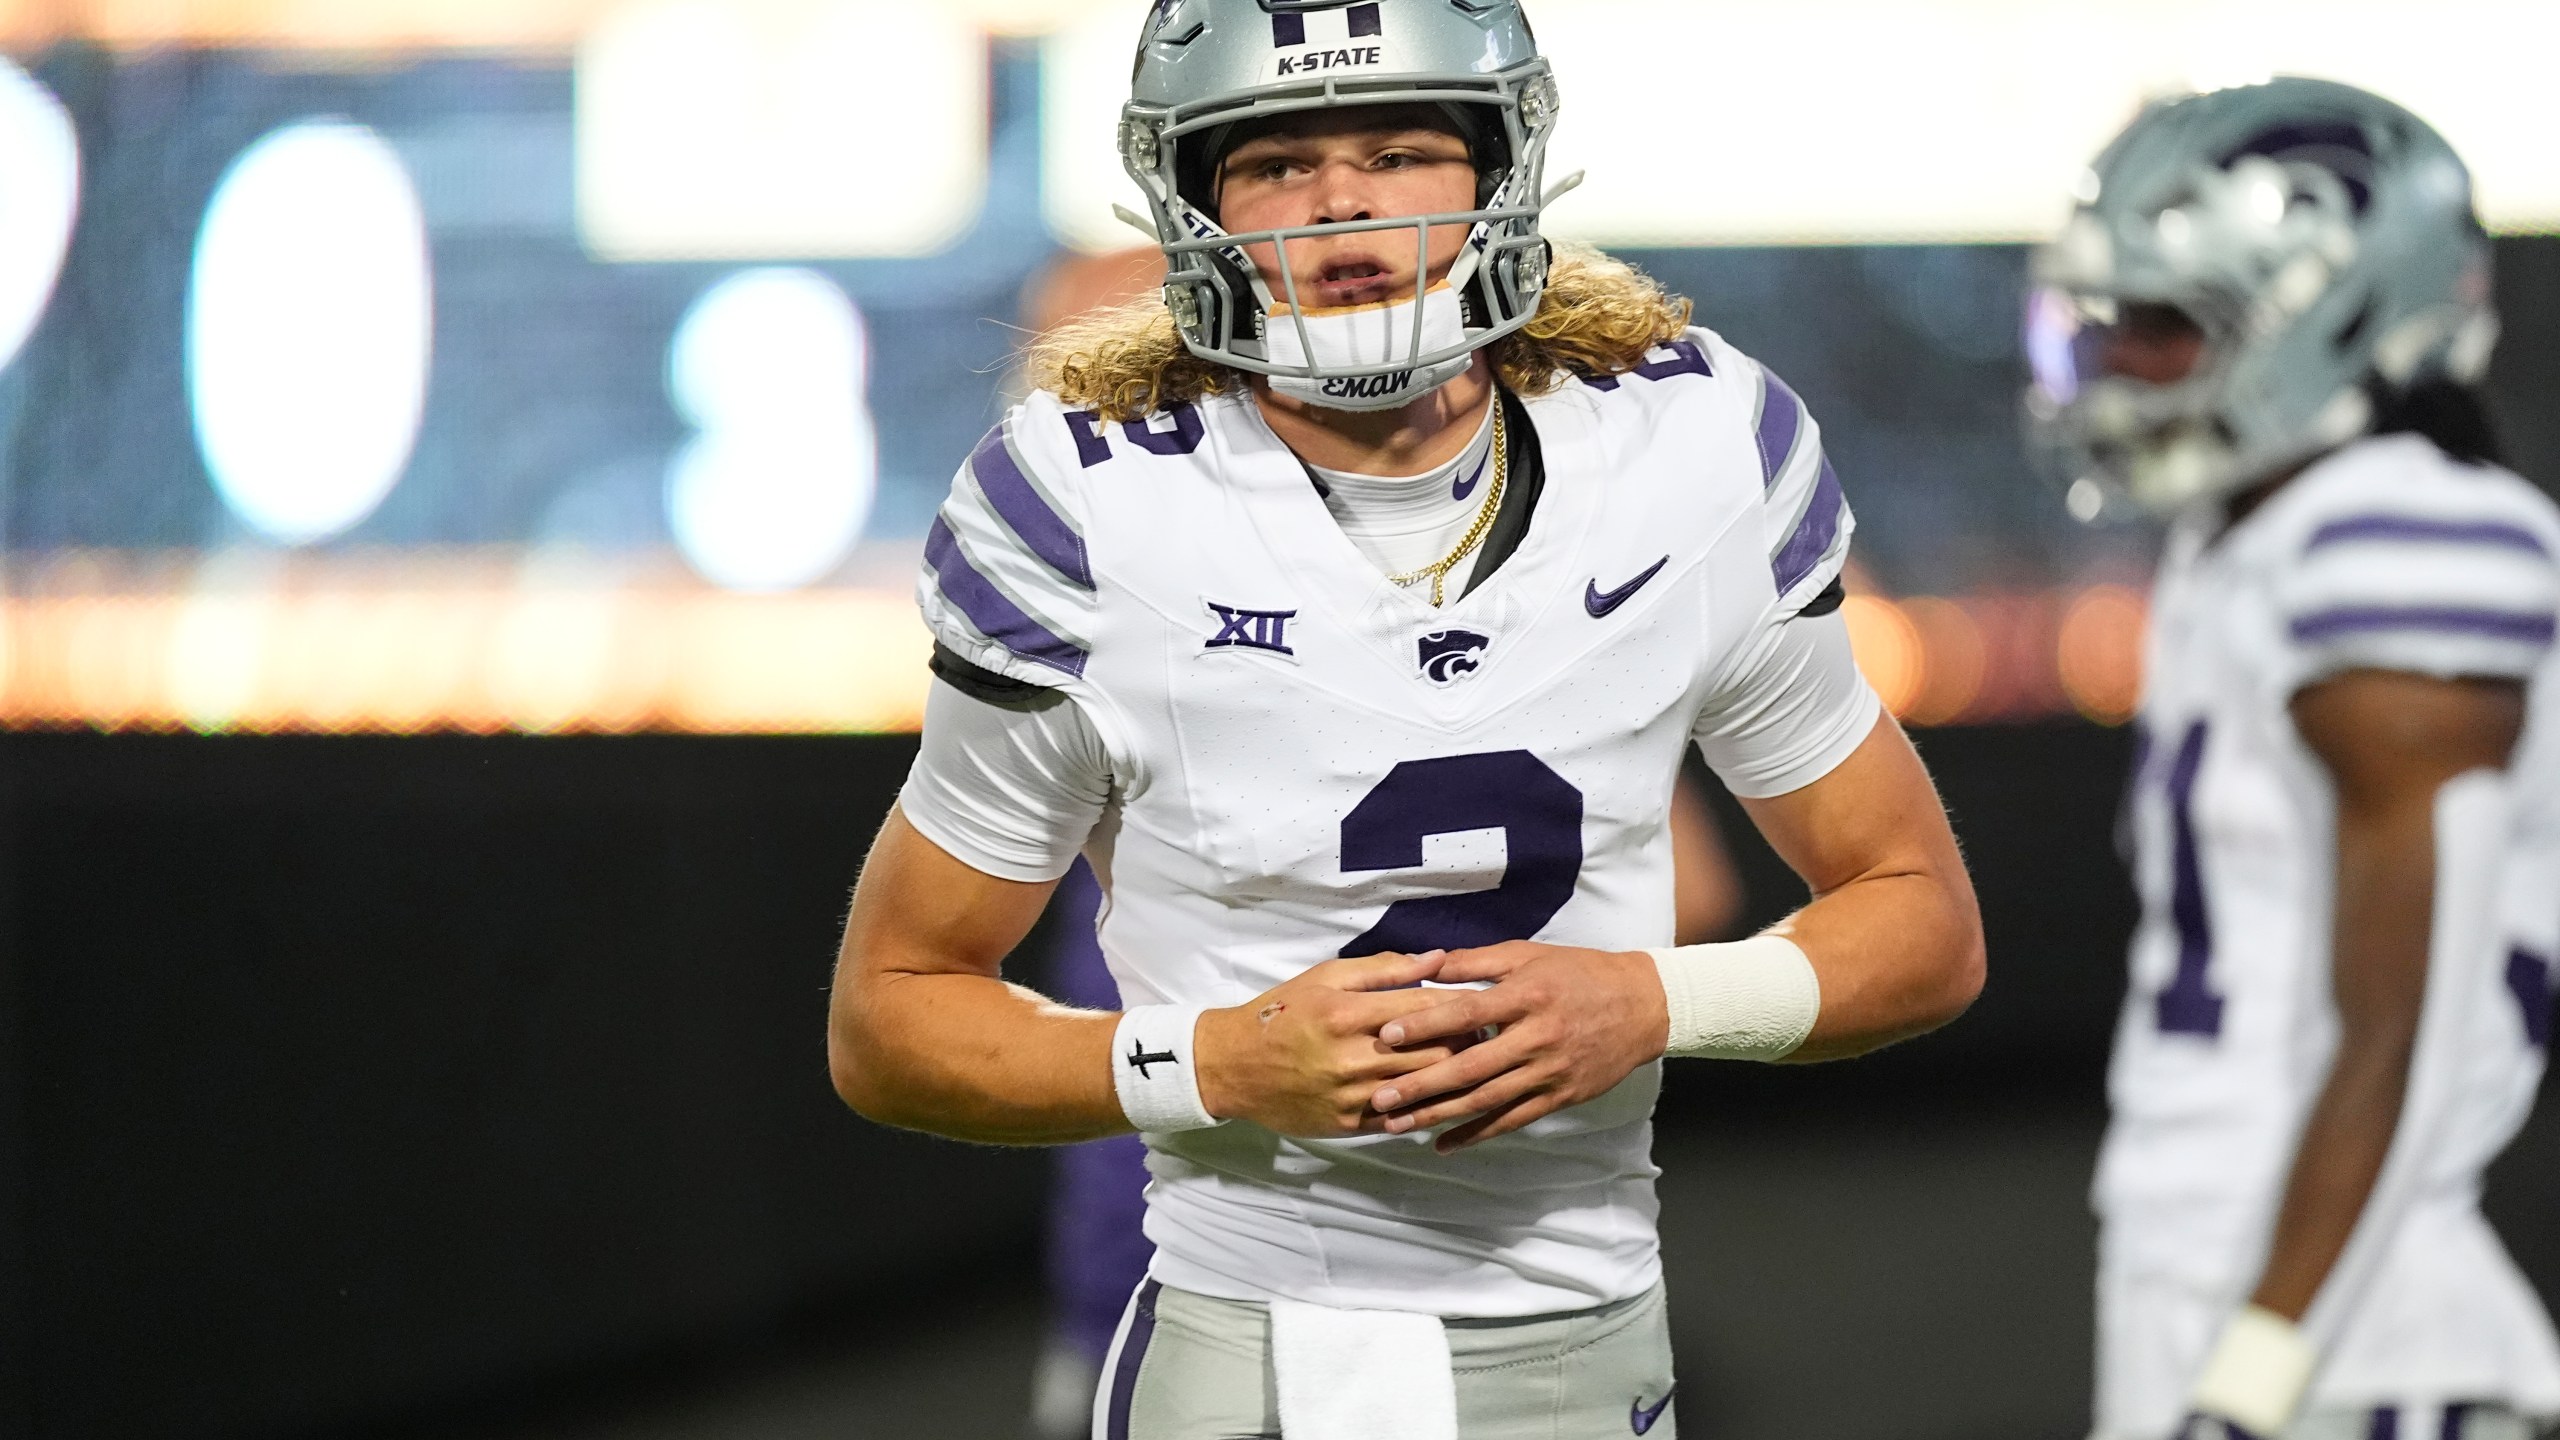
(2385, 555)
(1309, 762)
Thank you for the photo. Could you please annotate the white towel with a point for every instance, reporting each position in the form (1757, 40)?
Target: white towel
(1362, 1374)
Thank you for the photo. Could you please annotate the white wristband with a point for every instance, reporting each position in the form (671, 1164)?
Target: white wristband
(1151, 1069)
(2257, 1372)
(1754, 999)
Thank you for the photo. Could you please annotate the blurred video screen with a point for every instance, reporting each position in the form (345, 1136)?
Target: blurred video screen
(595, 367)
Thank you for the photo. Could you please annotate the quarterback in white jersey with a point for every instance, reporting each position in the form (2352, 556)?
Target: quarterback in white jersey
(2266, 319)
(1350, 609)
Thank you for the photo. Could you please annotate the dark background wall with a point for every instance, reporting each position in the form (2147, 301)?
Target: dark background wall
(357, 1082)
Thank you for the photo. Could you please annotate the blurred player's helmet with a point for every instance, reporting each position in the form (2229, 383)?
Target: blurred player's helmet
(1207, 66)
(2319, 237)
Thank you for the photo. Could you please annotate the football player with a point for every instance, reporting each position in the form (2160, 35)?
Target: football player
(1096, 1255)
(2267, 318)
(1349, 607)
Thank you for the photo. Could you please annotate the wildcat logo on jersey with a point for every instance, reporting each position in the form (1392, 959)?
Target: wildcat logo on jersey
(1449, 656)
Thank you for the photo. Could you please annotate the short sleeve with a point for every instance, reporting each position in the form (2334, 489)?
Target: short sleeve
(2449, 580)
(1788, 711)
(1009, 790)
(1804, 515)
(1007, 583)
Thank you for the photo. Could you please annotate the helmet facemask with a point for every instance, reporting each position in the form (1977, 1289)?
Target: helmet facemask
(2248, 255)
(1228, 309)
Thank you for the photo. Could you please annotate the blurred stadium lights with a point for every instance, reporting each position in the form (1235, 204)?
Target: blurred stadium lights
(408, 641)
(780, 129)
(400, 26)
(1885, 121)
(309, 325)
(769, 367)
(1970, 659)
(40, 176)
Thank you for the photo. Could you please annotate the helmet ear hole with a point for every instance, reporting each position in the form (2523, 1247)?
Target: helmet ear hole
(2357, 324)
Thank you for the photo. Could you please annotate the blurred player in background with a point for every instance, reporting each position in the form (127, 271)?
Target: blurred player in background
(1096, 1251)
(1351, 609)
(2267, 319)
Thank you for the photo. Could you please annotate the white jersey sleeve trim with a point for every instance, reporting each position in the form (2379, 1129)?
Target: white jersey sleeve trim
(1789, 711)
(1009, 791)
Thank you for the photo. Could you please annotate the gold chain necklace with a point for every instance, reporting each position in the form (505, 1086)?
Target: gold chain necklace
(1438, 571)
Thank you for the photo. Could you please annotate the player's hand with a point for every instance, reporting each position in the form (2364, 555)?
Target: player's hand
(1571, 1025)
(1304, 1058)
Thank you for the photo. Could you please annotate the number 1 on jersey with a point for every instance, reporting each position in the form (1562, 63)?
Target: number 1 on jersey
(2187, 1005)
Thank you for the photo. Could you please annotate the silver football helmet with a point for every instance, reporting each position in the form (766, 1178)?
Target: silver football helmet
(1204, 66)
(2321, 240)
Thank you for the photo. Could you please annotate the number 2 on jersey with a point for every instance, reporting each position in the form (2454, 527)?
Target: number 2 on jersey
(2187, 1004)
(1539, 813)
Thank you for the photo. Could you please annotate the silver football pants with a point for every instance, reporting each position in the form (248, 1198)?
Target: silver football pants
(1187, 1367)
(2413, 1422)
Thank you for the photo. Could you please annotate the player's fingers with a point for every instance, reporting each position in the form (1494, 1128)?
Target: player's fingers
(1462, 1015)
(1490, 962)
(1370, 1013)
(1527, 1110)
(1478, 1065)
(1390, 971)
(1468, 1105)
(1388, 1064)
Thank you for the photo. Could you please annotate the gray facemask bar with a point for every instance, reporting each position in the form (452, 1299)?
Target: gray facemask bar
(1490, 247)
(1512, 295)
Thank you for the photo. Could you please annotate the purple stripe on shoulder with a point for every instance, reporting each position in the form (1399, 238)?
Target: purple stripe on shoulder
(1042, 528)
(2419, 527)
(2534, 627)
(2385, 1423)
(1814, 533)
(996, 617)
(1781, 416)
(2529, 980)
(1133, 1353)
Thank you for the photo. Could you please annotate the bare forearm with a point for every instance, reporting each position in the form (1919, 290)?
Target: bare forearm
(2341, 1155)
(1897, 956)
(974, 1058)
(922, 1033)
(1893, 933)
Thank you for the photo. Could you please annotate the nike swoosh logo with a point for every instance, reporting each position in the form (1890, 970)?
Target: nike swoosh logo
(1640, 1419)
(1464, 488)
(1600, 602)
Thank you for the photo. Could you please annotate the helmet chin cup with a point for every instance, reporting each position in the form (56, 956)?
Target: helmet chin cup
(1333, 358)
(2167, 476)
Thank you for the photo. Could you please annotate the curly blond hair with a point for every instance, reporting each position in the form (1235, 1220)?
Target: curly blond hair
(1599, 316)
